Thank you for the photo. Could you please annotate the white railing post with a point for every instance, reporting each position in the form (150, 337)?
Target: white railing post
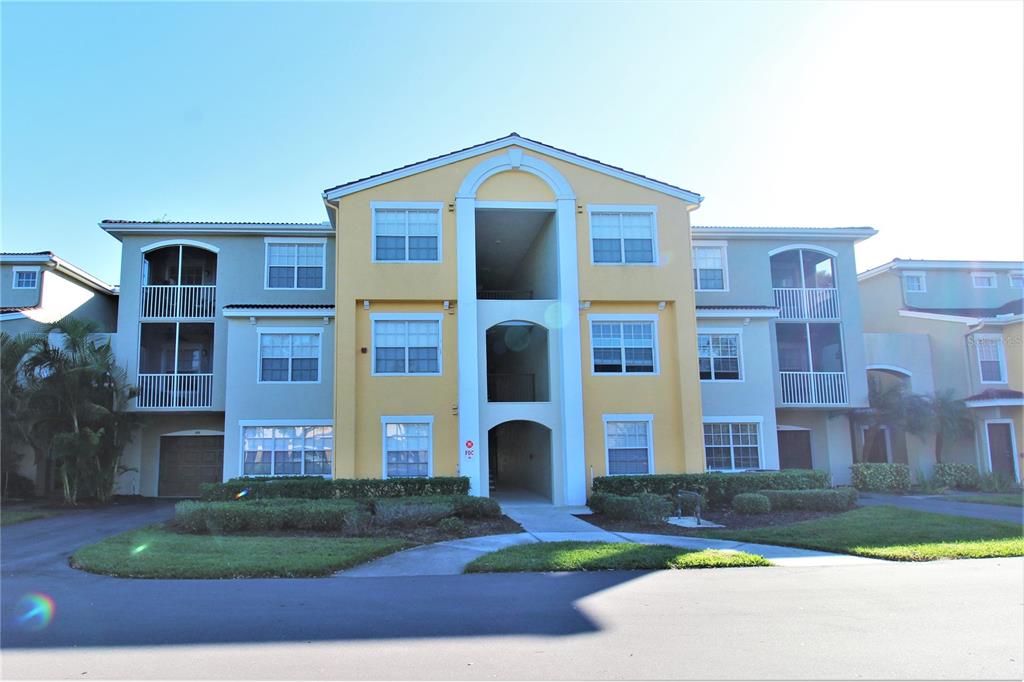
(174, 301)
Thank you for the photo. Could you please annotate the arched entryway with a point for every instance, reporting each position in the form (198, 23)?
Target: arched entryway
(517, 363)
(519, 461)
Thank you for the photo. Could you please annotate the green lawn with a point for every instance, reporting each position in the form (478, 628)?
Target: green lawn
(892, 533)
(153, 552)
(1006, 499)
(598, 556)
(9, 518)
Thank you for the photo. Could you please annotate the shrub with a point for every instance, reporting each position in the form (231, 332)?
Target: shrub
(881, 477)
(751, 503)
(717, 488)
(646, 508)
(452, 525)
(998, 483)
(469, 507)
(317, 487)
(956, 475)
(232, 517)
(406, 513)
(837, 499)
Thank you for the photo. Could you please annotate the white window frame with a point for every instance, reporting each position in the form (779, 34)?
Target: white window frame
(407, 419)
(406, 317)
(1001, 346)
(1019, 274)
(623, 318)
(719, 244)
(261, 331)
(625, 208)
(14, 278)
(408, 206)
(647, 419)
(264, 423)
(915, 273)
(267, 241)
(723, 331)
(864, 441)
(734, 420)
(974, 281)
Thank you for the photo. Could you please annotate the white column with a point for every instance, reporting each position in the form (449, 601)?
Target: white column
(469, 385)
(572, 445)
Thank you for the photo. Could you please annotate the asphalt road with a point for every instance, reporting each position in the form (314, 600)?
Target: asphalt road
(945, 504)
(938, 620)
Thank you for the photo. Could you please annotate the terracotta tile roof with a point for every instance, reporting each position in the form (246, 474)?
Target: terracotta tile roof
(171, 223)
(997, 394)
(1011, 308)
(279, 306)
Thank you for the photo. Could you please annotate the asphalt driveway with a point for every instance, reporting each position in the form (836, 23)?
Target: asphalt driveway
(945, 504)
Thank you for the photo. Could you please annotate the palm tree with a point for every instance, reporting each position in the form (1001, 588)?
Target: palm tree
(951, 420)
(891, 406)
(13, 435)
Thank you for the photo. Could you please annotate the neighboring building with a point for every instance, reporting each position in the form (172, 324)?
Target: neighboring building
(951, 326)
(38, 289)
(780, 346)
(227, 330)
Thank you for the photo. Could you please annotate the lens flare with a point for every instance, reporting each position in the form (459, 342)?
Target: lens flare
(35, 611)
(556, 315)
(241, 493)
(141, 548)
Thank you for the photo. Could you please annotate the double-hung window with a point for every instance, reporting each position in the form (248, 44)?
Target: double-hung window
(25, 278)
(1016, 280)
(289, 357)
(405, 345)
(409, 233)
(408, 446)
(624, 344)
(732, 446)
(295, 264)
(719, 356)
(623, 234)
(983, 280)
(991, 358)
(283, 450)
(628, 444)
(914, 282)
(709, 266)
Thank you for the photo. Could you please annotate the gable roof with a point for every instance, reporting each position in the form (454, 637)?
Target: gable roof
(60, 265)
(512, 139)
(116, 228)
(920, 264)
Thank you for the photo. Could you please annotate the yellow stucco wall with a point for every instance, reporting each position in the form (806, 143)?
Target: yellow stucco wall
(360, 400)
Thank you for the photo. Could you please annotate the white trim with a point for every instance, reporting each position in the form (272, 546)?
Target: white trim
(788, 427)
(803, 247)
(999, 402)
(1000, 346)
(734, 420)
(317, 331)
(61, 265)
(645, 418)
(723, 331)
(179, 242)
(736, 313)
(624, 318)
(513, 159)
(14, 279)
(194, 432)
(915, 273)
(620, 209)
(708, 243)
(406, 317)
(1015, 273)
(408, 419)
(410, 206)
(888, 441)
(938, 316)
(889, 368)
(310, 229)
(974, 282)
(267, 241)
(326, 311)
(854, 234)
(510, 141)
(1014, 454)
(898, 264)
(271, 423)
(532, 205)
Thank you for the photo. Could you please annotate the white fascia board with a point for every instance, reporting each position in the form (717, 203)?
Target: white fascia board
(854, 234)
(1002, 402)
(303, 229)
(968, 265)
(64, 267)
(6, 317)
(1000, 321)
(339, 192)
(734, 313)
(279, 312)
(938, 316)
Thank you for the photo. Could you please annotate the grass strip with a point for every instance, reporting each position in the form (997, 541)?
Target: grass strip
(603, 556)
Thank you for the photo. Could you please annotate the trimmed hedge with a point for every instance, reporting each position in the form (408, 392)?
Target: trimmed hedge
(828, 499)
(232, 517)
(955, 475)
(751, 503)
(718, 489)
(406, 512)
(893, 478)
(645, 508)
(318, 488)
(463, 506)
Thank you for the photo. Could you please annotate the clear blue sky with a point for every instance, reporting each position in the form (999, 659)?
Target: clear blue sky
(906, 117)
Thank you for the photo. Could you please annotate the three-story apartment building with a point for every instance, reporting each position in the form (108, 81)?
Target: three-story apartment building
(954, 327)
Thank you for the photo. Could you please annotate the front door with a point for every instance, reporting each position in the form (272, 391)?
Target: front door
(1000, 449)
(186, 462)
(795, 449)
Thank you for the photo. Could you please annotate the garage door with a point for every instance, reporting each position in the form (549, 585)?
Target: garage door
(188, 461)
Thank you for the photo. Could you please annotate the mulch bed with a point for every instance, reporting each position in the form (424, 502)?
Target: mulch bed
(728, 518)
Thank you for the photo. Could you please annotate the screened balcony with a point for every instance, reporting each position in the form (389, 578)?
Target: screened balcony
(803, 282)
(179, 282)
(811, 365)
(175, 366)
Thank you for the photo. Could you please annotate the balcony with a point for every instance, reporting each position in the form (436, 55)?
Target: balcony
(179, 301)
(797, 303)
(814, 388)
(174, 391)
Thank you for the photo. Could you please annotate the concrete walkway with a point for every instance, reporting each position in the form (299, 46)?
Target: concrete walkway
(944, 504)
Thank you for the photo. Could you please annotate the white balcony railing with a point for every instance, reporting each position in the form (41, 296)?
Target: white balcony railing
(807, 304)
(814, 388)
(175, 390)
(173, 300)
